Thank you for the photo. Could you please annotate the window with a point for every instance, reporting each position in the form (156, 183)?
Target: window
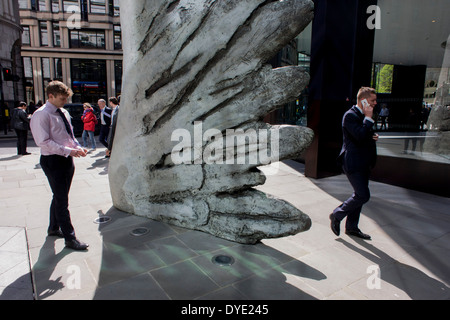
(118, 76)
(55, 6)
(26, 41)
(45, 68)
(46, 77)
(28, 67)
(412, 83)
(90, 39)
(28, 72)
(42, 6)
(23, 4)
(382, 77)
(84, 10)
(114, 8)
(117, 37)
(70, 4)
(88, 80)
(58, 69)
(44, 33)
(98, 6)
(56, 35)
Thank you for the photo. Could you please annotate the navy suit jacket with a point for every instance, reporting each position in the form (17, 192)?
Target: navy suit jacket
(359, 151)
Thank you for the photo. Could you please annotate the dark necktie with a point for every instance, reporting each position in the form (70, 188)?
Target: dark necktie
(66, 123)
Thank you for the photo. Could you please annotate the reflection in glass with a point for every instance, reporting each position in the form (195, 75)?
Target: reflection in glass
(88, 80)
(411, 75)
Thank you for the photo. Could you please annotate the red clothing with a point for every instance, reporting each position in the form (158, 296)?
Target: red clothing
(89, 119)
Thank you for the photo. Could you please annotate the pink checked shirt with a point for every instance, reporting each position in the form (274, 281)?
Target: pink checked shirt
(49, 131)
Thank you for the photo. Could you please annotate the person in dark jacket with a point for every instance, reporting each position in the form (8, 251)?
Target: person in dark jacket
(21, 124)
(105, 119)
(358, 155)
(114, 104)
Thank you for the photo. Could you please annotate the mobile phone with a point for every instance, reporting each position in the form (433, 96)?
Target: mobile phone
(365, 103)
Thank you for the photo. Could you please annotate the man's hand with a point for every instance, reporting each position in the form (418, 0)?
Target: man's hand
(367, 109)
(376, 136)
(77, 153)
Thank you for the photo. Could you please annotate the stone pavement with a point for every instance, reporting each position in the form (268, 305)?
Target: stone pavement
(408, 257)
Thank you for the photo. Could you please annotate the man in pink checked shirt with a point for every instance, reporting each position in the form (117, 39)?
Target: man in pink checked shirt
(53, 133)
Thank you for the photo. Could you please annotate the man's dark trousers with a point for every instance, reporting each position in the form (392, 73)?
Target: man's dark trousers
(59, 171)
(351, 208)
(104, 132)
(22, 136)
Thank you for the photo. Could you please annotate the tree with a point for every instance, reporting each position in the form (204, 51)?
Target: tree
(384, 84)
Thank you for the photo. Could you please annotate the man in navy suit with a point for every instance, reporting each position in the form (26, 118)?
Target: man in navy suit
(358, 156)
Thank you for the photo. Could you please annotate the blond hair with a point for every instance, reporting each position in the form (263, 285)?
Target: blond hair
(365, 92)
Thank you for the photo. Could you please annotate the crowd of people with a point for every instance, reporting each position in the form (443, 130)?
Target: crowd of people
(20, 123)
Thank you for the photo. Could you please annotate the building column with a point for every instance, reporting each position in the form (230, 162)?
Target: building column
(39, 90)
(341, 62)
(65, 63)
(110, 79)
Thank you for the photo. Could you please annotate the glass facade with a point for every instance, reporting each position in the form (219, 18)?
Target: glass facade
(55, 6)
(28, 73)
(43, 33)
(89, 39)
(117, 37)
(88, 80)
(56, 35)
(118, 76)
(93, 68)
(411, 74)
(69, 5)
(98, 6)
(401, 48)
(26, 40)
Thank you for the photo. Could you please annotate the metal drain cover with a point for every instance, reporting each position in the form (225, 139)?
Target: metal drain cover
(139, 232)
(103, 219)
(223, 260)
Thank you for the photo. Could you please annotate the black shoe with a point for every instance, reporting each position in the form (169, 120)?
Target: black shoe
(57, 233)
(76, 245)
(358, 233)
(26, 154)
(335, 225)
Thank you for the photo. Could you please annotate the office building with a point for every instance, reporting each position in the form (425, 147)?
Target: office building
(10, 60)
(75, 41)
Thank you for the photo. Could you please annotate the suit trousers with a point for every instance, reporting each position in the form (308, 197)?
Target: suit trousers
(104, 132)
(351, 208)
(59, 171)
(22, 137)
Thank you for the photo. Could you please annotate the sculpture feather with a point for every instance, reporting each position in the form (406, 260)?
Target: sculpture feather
(190, 134)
